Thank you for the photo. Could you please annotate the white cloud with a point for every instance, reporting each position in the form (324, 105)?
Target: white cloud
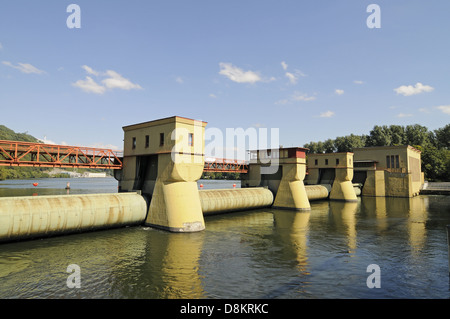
(179, 79)
(117, 81)
(296, 97)
(327, 114)
(24, 67)
(112, 81)
(90, 86)
(282, 102)
(89, 70)
(339, 92)
(213, 96)
(444, 108)
(358, 82)
(238, 75)
(105, 146)
(284, 65)
(412, 90)
(292, 78)
(404, 115)
(424, 110)
(46, 141)
(1, 46)
(302, 97)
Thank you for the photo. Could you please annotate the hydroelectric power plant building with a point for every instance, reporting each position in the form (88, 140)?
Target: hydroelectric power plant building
(157, 182)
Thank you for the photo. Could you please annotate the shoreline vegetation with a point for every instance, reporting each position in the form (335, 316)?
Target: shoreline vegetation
(434, 145)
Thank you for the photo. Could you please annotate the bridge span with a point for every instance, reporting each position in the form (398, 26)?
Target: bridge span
(17, 153)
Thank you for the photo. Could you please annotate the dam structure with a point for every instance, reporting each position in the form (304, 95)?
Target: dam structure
(158, 172)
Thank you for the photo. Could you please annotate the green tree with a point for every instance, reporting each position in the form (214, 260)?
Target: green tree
(379, 136)
(398, 135)
(328, 146)
(435, 163)
(349, 142)
(417, 135)
(443, 137)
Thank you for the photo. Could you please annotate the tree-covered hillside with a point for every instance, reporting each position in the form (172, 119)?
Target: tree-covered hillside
(10, 135)
(7, 172)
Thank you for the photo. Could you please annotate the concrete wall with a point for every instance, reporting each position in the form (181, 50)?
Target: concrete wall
(164, 159)
(335, 169)
(396, 170)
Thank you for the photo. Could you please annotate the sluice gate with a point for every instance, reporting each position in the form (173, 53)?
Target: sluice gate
(30, 217)
(227, 200)
(317, 192)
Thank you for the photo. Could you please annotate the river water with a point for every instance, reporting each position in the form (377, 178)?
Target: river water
(265, 253)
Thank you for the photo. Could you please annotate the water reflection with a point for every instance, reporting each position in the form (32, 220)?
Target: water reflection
(343, 214)
(293, 229)
(410, 211)
(172, 265)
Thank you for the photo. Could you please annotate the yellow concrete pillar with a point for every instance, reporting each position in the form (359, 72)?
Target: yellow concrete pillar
(342, 188)
(291, 193)
(175, 204)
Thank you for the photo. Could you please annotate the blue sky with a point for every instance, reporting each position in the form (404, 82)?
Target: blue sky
(312, 69)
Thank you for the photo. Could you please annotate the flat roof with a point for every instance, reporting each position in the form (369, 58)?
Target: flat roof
(365, 161)
(162, 122)
(281, 148)
(338, 153)
(386, 147)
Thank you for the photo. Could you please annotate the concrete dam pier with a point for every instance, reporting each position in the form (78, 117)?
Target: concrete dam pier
(157, 183)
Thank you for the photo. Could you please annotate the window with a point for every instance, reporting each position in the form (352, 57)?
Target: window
(161, 139)
(337, 161)
(147, 141)
(388, 161)
(191, 139)
(326, 161)
(392, 161)
(315, 162)
(133, 143)
(397, 161)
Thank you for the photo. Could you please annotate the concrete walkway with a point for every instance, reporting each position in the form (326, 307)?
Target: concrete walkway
(436, 188)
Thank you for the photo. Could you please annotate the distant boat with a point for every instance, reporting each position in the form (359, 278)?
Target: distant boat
(35, 184)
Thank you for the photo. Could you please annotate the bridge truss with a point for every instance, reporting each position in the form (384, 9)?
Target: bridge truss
(15, 153)
(225, 165)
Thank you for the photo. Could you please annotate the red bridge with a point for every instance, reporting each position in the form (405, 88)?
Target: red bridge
(15, 153)
(225, 165)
